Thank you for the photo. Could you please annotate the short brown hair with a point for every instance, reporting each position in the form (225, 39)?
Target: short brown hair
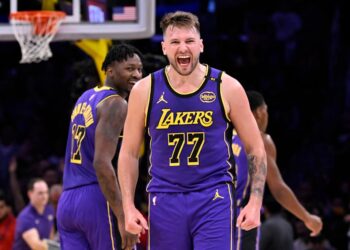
(179, 19)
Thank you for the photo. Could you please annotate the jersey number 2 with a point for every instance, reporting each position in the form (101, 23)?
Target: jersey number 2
(78, 134)
(178, 141)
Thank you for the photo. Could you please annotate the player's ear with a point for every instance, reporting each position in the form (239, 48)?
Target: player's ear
(259, 112)
(109, 71)
(163, 48)
(256, 114)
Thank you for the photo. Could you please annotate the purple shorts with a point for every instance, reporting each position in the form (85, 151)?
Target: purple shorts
(85, 221)
(200, 220)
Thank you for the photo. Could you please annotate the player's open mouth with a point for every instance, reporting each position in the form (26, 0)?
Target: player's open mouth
(183, 60)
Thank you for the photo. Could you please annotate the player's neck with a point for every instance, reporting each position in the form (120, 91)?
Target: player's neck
(123, 93)
(186, 83)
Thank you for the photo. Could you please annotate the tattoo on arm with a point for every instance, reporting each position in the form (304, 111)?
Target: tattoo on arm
(257, 173)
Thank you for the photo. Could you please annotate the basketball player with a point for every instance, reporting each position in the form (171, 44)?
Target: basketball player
(279, 189)
(188, 111)
(91, 193)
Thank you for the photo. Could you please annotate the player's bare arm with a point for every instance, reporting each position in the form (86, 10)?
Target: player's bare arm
(111, 117)
(283, 194)
(247, 129)
(128, 171)
(132, 140)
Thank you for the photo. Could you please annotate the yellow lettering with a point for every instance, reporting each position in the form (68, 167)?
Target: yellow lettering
(236, 149)
(88, 116)
(209, 119)
(85, 110)
(179, 118)
(199, 116)
(75, 111)
(169, 118)
(189, 118)
(83, 107)
(161, 123)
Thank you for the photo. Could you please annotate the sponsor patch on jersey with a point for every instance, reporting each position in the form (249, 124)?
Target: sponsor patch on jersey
(207, 97)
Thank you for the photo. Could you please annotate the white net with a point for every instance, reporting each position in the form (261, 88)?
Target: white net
(34, 31)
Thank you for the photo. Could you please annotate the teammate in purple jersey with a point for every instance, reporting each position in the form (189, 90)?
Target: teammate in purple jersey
(279, 189)
(188, 111)
(244, 240)
(91, 192)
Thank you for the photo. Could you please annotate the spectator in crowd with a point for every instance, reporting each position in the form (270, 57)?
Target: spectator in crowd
(15, 188)
(7, 223)
(35, 223)
(276, 231)
(8, 149)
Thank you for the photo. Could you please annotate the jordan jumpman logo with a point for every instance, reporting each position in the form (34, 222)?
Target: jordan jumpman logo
(217, 195)
(162, 99)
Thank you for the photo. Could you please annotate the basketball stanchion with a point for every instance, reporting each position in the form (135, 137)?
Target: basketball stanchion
(34, 30)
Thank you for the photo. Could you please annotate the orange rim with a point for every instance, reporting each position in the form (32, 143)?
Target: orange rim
(43, 21)
(35, 14)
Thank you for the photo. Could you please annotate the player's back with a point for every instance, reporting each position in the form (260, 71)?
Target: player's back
(79, 169)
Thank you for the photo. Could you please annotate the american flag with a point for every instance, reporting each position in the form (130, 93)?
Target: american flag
(125, 13)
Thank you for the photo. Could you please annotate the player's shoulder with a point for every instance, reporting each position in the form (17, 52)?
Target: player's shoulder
(268, 141)
(143, 86)
(231, 87)
(111, 97)
(230, 82)
(111, 103)
(267, 137)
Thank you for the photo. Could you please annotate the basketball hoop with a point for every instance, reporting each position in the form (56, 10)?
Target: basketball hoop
(34, 31)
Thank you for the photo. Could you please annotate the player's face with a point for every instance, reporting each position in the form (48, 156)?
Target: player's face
(125, 74)
(182, 46)
(39, 196)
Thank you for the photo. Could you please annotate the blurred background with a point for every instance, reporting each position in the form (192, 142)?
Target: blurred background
(295, 52)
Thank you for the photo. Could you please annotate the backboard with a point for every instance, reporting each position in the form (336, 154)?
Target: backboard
(89, 19)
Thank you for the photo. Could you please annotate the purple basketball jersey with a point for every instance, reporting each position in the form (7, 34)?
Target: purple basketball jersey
(243, 240)
(84, 218)
(190, 136)
(243, 181)
(78, 169)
